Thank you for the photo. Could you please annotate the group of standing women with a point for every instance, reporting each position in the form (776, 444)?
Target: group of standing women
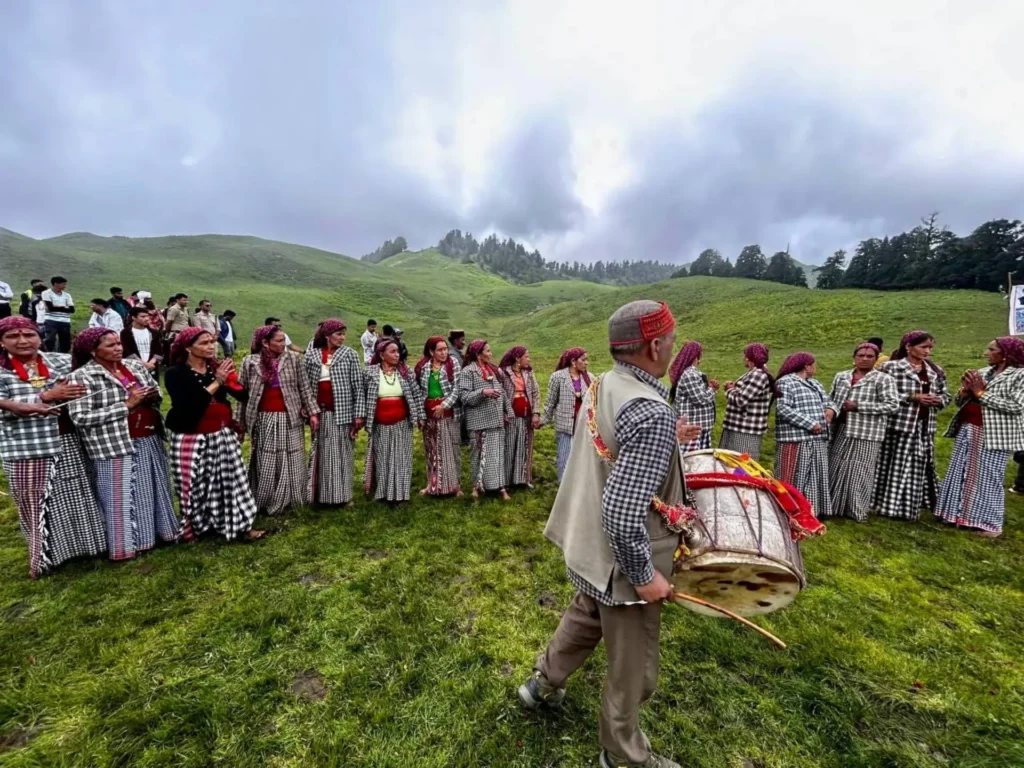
(868, 446)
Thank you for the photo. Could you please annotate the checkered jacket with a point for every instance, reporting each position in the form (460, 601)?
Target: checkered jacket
(482, 412)
(694, 398)
(30, 437)
(801, 405)
(102, 419)
(1002, 411)
(450, 389)
(529, 382)
(748, 403)
(346, 381)
(908, 384)
(876, 399)
(299, 397)
(410, 389)
(560, 404)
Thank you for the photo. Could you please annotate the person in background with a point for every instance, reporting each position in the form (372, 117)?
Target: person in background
(989, 428)
(37, 307)
(866, 398)
(403, 351)
(121, 430)
(456, 345)
(333, 372)
(566, 388)
(278, 403)
(437, 374)
(905, 480)
(487, 411)
(803, 413)
(394, 405)
(119, 304)
(177, 319)
(276, 323)
(59, 309)
(226, 332)
(206, 457)
(523, 391)
(140, 342)
(133, 300)
(26, 298)
(156, 317)
(104, 317)
(205, 319)
(368, 341)
(882, 358)
(693, 394)
(747, 403)
(46, 472)
(6, 297)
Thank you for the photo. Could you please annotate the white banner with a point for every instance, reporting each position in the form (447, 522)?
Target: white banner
(1017, 310)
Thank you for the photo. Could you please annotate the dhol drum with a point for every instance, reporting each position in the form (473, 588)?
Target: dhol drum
(742, 553)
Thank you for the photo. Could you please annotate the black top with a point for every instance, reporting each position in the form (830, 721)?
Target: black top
(189, 398)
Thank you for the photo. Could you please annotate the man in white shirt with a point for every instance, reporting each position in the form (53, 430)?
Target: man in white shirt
(59, 309)
(140, 341)
(226, 336)
(104, 317)
(369, 340)
(6, 296)
(205, 318)
(276, 322)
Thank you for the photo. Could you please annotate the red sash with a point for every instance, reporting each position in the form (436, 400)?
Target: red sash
(325, 396)
(521, 407)
(214, 418)
(432, 404)
(272, 400)
(391, 410)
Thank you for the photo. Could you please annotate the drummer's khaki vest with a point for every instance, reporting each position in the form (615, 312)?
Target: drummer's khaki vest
(575, 522)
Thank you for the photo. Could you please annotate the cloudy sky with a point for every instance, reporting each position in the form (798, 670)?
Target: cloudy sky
(587, 129)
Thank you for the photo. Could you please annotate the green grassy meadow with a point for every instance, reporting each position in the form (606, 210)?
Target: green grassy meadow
(376, 637)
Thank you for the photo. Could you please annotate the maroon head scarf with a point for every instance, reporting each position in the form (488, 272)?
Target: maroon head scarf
(85, 343)
(912, 339)
(325, 329)
(511, 356)
(182, 342)
(268, 363)
(428, 354)
(569, 357)
(757, 353)
(1012, 349)
(473, 352)
(378, 355)
(794, 364)
(14, 323)
(688, 355)
(866, 345)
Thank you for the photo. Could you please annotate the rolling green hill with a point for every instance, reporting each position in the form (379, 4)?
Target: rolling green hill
(378, 637)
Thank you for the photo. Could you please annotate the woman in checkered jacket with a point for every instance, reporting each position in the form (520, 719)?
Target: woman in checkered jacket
(988, 428)
(566, 388)
(693, 394)
(46, 472)
(122, 433)
(905, 479)
(747, 403)
(523, 391)
(487, 410)
(866, 398)
(803, 413)
(279, 402)
(437, 374)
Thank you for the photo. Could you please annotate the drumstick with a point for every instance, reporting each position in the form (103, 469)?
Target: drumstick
(678, 597)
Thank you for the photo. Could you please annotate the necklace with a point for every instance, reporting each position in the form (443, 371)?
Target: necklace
(390, 381)
(34, 373)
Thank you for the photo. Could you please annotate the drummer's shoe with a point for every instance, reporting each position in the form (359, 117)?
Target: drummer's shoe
(537, 692)
(608, 760)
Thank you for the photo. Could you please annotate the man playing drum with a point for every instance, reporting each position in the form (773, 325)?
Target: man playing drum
(623, 475)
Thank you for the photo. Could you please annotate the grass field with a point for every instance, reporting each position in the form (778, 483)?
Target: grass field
(372, 637)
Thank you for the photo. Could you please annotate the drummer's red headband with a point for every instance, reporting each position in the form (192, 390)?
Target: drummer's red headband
(652, 326)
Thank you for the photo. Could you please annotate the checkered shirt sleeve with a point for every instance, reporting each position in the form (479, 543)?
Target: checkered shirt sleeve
(646, 433)
(102, 419)
(748, 403)
(30, 437)
(449, 389)
(907, 385)
(801, 405)
(1002, 411)
(695, 399)
(876, 398)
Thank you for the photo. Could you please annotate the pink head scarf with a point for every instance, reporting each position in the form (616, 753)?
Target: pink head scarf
(14, 323)
(688, 355)
(268, 363)
(325, 329)
(85, 343)
(182, 342)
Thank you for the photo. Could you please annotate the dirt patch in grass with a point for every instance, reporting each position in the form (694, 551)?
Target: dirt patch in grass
(308, 686)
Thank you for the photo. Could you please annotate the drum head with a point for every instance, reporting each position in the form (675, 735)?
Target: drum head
(745, 588)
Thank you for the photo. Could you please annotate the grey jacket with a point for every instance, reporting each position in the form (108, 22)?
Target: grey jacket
(482, 412)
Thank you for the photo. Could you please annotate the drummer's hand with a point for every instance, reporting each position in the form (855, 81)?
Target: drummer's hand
(657, 589)
(686, 432)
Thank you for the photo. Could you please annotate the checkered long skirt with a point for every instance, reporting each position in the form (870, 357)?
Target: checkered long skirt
(703, 442)
(135, 495)
(332, 462)
(519, 451)
(277, 464)
(851, 476)
(972, 491)
(388, 474)
(564, 447)
(442, 443)
(741, 442)
(805, 467)
(213, 489)
(905, 479)
(487, 459)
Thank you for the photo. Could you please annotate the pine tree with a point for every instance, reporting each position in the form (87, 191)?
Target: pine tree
(830, 274)
(751, 263)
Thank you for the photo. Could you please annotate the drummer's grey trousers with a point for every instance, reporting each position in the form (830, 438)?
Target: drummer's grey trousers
(631, 634)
